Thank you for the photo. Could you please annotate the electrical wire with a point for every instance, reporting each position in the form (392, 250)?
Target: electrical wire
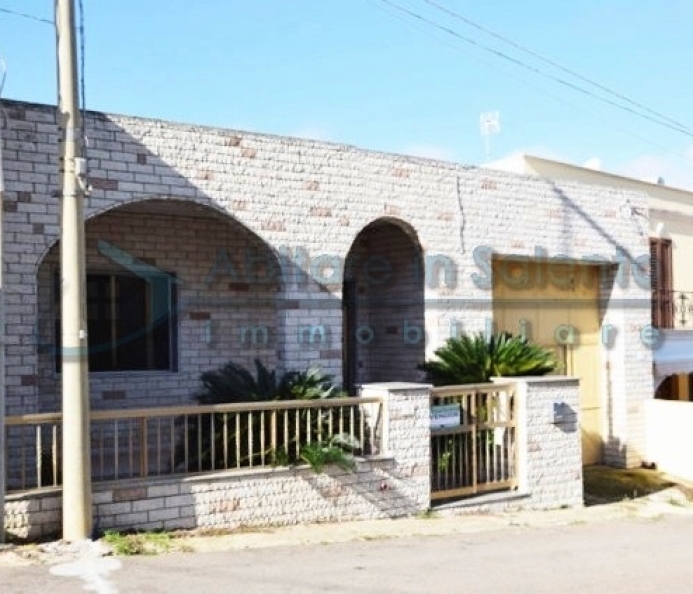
(555, 64)
(27, 16)
(494, 65)
(533, 69)
(3, 74)
(434, 34)
(578, 108)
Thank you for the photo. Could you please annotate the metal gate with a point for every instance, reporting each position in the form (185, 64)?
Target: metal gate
(473, 440)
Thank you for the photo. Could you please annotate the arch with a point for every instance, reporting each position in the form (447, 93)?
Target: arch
(674, 387)
(384, 335)
(152, 204)
(211, 279)
(403, 225)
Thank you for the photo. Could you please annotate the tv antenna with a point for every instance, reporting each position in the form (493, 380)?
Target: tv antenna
(489, 124)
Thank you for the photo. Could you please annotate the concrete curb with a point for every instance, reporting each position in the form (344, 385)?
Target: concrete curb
(668, 502)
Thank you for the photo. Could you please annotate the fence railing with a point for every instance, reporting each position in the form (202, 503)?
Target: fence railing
(672, 309)
(192, 439)
(473, 439)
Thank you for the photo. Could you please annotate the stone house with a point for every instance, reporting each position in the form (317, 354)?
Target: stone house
(206, 245)
(669, 414)
(671, 241)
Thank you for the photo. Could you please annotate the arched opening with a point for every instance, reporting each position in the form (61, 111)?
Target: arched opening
(174, 289)
(383, 302)
(675, 387)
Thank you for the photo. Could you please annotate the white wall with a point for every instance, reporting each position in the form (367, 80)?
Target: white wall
(669, 436)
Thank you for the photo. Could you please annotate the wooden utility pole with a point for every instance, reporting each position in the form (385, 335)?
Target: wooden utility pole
(76, 467)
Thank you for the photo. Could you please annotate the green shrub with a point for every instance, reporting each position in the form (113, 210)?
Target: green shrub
(338, 450)
(139, 543)
(232, 383)
(476, 359)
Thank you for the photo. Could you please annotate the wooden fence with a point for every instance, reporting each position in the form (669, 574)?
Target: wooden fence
(473, 440)
(192, 439)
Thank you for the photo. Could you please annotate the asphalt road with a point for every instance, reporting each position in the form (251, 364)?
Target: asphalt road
(633, 555)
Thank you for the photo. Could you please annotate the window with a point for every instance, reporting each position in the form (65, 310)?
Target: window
(661, 283)
(130, 322)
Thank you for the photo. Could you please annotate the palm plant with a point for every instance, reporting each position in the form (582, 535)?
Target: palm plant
(471, 359)
(307, 385)
(233, 383)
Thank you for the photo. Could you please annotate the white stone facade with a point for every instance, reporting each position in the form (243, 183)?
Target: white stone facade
(177, 196)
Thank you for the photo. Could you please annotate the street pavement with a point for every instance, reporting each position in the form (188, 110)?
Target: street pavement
(634, 547)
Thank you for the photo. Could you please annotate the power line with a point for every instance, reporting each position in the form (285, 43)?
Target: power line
(579, 108)
(533, 69)
(553, 63)
(27, 16)
(421, 28)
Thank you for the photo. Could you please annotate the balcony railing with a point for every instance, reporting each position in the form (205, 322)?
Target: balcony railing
(191, 439)
(672, 309)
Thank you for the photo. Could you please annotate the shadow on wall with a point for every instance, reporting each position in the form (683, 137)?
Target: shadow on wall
(183, 274)
(300, 496)
(230, 501)
(180, 281)
(571, 206)
(384, 324)
(177, 284)
(565, 417)
(615, 451)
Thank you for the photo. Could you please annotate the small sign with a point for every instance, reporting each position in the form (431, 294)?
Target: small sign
(445, 416)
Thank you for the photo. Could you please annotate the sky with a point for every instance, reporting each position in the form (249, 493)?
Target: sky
(363, 72)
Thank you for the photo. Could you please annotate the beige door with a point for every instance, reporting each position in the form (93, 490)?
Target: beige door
(557, 306)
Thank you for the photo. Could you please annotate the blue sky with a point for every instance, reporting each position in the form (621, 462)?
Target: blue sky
(360, 72)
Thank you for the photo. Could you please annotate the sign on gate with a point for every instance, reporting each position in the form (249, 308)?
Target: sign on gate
(445, 416)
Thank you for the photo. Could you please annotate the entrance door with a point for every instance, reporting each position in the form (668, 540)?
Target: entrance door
(557, 306)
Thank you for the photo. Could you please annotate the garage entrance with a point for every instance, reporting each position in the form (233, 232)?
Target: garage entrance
(556, 304)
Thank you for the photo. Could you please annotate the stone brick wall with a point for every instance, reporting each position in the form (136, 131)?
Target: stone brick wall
(216, 302)
(552, 469)
(550, 461)
(305, 199)
(406, 435)
(226, 501)
(394, 483)
(391, 484)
